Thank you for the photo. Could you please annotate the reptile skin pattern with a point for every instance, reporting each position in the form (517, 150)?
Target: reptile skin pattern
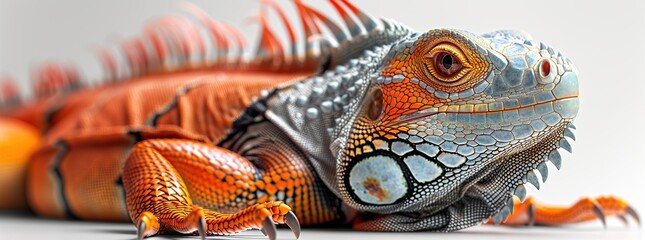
(371, 124)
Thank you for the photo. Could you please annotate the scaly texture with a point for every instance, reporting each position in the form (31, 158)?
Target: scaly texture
(372, 124)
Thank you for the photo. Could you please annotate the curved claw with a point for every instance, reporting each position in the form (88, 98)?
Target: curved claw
(623, 219)
(531, 215)
(141, 230)
(268, 228)
(597, 209)
(292, 221)
(263, 232)
(632, 212)
(201, 227)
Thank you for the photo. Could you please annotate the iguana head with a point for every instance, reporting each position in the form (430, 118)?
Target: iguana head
(449, 125)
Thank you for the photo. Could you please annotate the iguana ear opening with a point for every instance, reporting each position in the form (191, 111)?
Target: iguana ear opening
(375, 106)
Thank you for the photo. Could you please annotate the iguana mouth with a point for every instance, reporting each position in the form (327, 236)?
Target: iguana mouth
(424, 114)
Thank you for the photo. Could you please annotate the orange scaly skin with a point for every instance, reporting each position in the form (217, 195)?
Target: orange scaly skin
(80, 170)
(190, 148)
(216, 177)
(99, 128)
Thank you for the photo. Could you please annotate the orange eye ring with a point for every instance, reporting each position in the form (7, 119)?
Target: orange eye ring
(446, 64)
(442, 60)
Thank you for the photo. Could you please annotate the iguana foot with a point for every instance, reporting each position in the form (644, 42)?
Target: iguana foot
(158, 198)
(179, 220)
(147, 225)
(261, 216)
(586, 209)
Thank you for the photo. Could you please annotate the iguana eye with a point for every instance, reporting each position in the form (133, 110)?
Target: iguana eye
(375, 104)
(447, 63)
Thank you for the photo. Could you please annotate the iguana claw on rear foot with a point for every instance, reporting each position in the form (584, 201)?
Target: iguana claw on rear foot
(532, 213)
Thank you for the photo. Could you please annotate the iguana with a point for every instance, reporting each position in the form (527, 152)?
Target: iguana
(371, 124)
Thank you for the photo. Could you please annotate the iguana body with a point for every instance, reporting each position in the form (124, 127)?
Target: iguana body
(380, 127)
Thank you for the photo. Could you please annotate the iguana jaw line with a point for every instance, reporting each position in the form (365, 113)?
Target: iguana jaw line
(421, 115)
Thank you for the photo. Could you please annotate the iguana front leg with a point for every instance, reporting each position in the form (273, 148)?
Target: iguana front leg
(161, 175)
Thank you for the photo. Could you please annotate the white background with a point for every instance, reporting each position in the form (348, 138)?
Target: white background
(606, 40)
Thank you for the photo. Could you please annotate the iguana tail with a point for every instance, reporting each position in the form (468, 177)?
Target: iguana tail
(18, 141)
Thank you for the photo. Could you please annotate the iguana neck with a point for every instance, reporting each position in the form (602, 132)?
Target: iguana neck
(316, 111)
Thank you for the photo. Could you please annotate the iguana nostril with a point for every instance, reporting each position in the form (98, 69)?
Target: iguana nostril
(545, 68)
(547, 71)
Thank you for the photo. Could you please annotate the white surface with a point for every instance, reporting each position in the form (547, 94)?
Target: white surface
(605, 39)
(24, 226)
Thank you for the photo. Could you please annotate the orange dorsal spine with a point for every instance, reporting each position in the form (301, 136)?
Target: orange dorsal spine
(167, 49)
(172, 46)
